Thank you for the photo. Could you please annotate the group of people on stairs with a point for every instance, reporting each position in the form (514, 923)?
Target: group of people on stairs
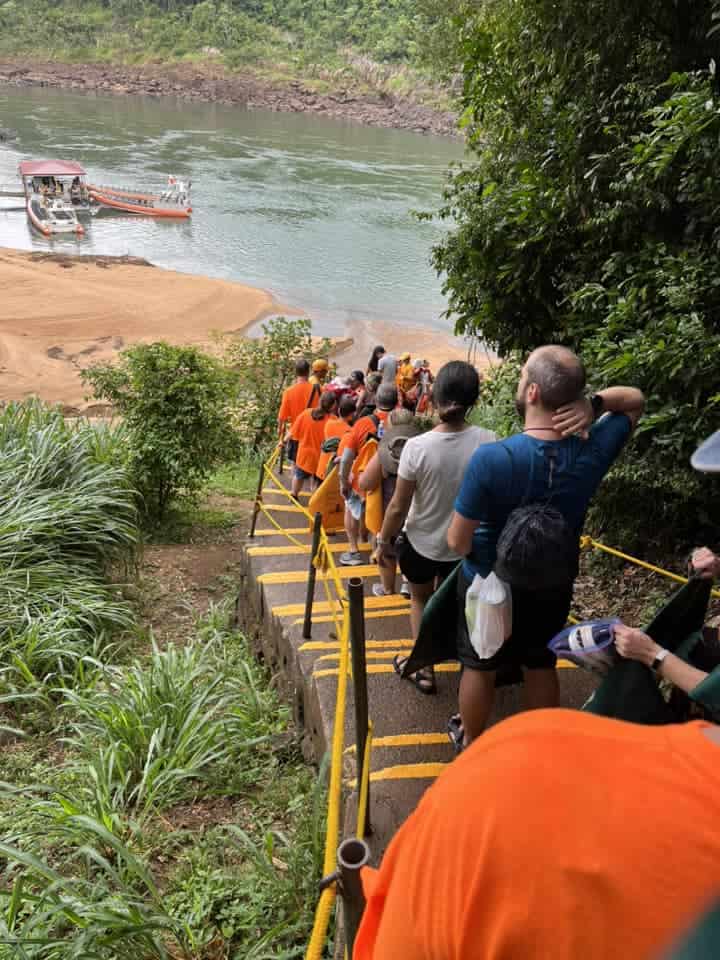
(557, 834)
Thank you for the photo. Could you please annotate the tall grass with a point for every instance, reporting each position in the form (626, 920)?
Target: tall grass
(147, 731)
(67, 514)
(104, 903)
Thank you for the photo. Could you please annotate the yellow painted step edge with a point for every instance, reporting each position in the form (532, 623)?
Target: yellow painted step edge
(300, 576)
(405, 771)
(323, 606)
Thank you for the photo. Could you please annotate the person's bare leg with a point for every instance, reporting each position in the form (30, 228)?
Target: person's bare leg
(420, 593)
(476, 698)
(352, 529)
(541, 689)
(297, 484)
(387, 577)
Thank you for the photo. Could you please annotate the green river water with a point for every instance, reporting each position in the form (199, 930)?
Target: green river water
(317, 211)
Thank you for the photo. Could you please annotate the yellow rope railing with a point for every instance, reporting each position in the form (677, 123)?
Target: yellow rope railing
(586, 542)
(334, 591)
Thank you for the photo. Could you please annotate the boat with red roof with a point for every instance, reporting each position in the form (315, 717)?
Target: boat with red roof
(52, 189)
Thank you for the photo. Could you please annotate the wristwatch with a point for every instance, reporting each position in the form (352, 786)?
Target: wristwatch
(598, 405)
(659, 658)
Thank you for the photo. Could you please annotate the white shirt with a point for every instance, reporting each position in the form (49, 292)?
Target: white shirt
(435, 462)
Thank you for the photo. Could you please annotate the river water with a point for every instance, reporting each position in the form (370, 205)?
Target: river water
(319, 212)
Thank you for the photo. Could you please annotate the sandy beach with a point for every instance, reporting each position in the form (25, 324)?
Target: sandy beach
(59, 314)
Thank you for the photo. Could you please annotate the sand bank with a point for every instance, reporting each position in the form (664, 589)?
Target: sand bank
(59, 314)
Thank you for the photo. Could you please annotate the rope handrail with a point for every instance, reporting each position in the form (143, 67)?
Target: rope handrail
(335, 594)
(586, 541)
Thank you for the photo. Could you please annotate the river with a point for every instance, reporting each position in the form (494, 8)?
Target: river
(317, 211)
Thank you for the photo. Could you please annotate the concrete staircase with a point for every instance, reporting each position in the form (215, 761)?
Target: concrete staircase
(410, 744)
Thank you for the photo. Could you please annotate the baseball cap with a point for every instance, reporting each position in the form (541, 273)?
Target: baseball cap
(392, 443)
(707, 456)
(319, 366)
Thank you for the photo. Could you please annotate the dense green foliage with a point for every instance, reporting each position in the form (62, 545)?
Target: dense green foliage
(301, 32)
(590, 216)
(67, 514)
(176, 404)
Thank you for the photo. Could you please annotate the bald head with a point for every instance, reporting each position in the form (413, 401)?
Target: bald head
(558, 373)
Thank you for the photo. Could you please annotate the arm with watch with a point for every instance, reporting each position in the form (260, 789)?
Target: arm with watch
(635, 645)
(576, 418)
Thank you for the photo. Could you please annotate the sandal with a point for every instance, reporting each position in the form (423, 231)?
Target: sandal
(456, 733)
(423, 679)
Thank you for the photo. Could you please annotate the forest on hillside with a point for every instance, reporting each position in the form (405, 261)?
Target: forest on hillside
(304, 34)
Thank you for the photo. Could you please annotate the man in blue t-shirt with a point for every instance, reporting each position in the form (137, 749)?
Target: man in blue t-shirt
(568, 444)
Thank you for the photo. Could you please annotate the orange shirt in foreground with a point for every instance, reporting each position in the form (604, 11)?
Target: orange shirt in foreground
(558, 835)
(334, 427)
(295, 400)
(309, 433)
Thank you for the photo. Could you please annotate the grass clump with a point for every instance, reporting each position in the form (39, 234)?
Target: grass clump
(149, 730)
(67, 516)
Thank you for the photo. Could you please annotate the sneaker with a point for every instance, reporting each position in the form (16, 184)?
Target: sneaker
(379, 590)
(351, 558)
(405, 588)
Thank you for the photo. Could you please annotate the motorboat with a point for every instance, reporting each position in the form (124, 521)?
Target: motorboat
(52, 188)
(53, 215)
(173, 202)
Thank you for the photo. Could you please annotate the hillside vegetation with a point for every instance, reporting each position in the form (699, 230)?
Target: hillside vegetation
(329, 41)
(589, 216)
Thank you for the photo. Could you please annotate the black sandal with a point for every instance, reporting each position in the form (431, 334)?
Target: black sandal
(456, 733)
(417, 679)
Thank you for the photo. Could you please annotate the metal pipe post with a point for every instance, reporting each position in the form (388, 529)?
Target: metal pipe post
(312, 574)
(359, 673)
(258, 499)
(281, 461)
(352, 855)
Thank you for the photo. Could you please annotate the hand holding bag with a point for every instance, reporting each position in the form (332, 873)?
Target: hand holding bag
(488, 612)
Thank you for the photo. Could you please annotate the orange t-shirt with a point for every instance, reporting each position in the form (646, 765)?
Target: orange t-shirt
(334, 427)
(309, 434)
(357, 435)
(558, 834)
(295, 400)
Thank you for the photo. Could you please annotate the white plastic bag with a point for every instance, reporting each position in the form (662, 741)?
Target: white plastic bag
(488, 613)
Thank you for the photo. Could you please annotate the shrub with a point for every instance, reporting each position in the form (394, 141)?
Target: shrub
(176, 405)
(265, 367)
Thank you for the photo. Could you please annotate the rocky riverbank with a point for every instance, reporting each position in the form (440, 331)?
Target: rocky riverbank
(210, 82)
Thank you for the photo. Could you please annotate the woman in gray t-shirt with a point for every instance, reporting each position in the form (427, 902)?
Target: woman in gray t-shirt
(431, 470)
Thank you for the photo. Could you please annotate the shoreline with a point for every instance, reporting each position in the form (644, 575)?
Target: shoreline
(63, 312)
(211, 82)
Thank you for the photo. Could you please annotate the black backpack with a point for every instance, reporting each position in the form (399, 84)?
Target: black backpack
(537, 548)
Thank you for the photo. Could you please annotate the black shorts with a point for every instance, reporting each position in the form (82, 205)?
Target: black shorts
(537, 616)
(419, 569)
